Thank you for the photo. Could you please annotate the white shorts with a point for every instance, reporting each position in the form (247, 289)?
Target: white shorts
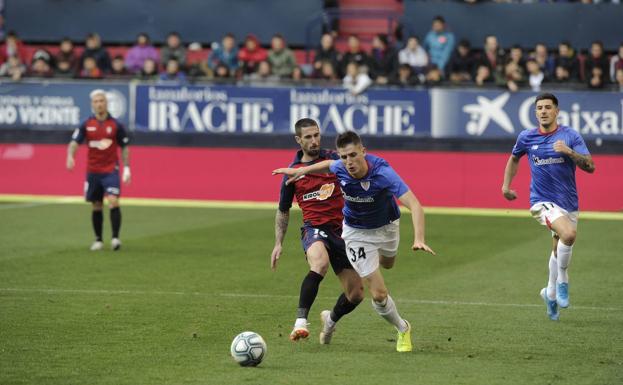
(364, 246)
(547, 212)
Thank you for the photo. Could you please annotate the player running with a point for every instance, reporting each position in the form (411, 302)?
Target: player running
(553, 152)
(371, 220)
(103, 135)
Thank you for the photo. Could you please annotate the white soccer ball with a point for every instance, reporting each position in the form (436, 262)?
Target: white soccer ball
(248, 349)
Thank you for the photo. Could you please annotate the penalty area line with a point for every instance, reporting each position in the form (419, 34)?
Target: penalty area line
(219, 204)
(275, 296)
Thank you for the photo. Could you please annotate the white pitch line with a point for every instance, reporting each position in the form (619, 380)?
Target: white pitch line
(24, 205)
(253, 295)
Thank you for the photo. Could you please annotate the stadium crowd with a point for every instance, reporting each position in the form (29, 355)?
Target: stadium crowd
(436, 59)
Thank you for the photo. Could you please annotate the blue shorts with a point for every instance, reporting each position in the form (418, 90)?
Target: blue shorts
(333, 242)
(98, 185)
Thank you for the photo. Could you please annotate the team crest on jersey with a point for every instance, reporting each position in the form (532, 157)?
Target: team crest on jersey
(365, 185)
(326, 190)
(109, 130)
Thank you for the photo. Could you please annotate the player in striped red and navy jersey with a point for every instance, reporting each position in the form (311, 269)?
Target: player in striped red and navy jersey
(104, 135)
(320, 198)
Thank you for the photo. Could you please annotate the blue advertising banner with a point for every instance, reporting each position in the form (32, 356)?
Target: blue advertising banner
(229, 109)
(57, 105)
(499, 114)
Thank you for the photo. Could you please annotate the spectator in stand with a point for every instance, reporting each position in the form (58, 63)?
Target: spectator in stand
(13, 68)
(404, 77)
(43, 54)
(536, 76)
(616, 62)
(597, 66)
(173, 72)
(221, 71)
(327, 72)
(357, 79)
(225, 53)
(439, 43)
(264, 73)
(93, 48)
(119, 70)
(40, 68)
(297, 74)
(434, 76)
(141, 51)
(493, 58)
(384, 59)
(12, 46)
(414, 55)
(197, 62)
(514, 76)
(326, 52)
(251, 55)
(66, 53)
(545, 61)
(149, 71)
(64, 69)
(280, 57)
(90, 70)
(619, 79)
(461, 65)
(567, 67)
(354, 54)
(483, 76)
(174, 49)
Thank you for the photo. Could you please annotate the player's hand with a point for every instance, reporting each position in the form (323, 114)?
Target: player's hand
(292, 173)
(127, 177)
(70, 163)
(419, 245)
(561, 146)
(509, 194)
(274, 257)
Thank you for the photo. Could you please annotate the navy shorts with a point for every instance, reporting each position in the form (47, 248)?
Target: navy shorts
(98, 185)
(330, 236)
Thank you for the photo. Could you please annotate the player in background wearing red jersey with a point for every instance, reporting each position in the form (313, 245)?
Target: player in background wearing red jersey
(103, 135)
(320, 198)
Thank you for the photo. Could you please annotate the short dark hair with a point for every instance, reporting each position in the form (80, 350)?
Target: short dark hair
(346, 138)
(303, 123)
(547, 96)
(440, 19)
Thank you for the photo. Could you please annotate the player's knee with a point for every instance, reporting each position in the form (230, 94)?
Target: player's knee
(568, 237)
(387, 263)
(320, 268)
(113, 201)
(379, 295)
(98, 206)
(355, 294)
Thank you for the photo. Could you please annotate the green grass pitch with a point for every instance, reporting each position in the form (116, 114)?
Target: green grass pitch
(165, 308)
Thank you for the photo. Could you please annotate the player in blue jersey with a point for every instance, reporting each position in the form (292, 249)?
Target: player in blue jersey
(371, 220)
(553, 152)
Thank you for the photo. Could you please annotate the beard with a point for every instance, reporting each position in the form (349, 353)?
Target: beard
(312, 152)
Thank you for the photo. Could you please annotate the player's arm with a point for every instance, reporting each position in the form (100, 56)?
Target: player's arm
(76, 138)
(281, 226)
(295, 173)
(123, 140)
(512, 165)
(410, 201)
(583, 161)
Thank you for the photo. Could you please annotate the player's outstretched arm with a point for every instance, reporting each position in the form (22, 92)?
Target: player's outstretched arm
(71, 152)
(509, 173)
(584, 162)
(125, 157)
(281, 226)
(417, 217)
(296, 173)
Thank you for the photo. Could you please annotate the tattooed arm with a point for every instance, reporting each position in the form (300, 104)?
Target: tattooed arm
(281, 226)
(584, 162)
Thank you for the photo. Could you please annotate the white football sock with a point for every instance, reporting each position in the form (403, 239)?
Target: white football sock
(564, 257)
(300, 323)
(553, 275)
(388, 311)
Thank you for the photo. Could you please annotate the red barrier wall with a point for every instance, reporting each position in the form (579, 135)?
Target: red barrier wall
(453, 179)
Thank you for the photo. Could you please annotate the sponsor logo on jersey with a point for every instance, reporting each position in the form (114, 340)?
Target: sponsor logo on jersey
(324, 193)
(541, 162)
(100, 144)
(91, 128)
(358, 199)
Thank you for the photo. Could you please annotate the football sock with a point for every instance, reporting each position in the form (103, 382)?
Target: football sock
(553, 275)
(309, 290)
(98, 219)
(387, 309)
(342, 307)
(564, 257)
(115, 220)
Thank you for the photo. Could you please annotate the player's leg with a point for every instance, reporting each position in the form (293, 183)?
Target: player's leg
(94, 193)
(318, 260)
(112, 189)
(346, 303)
(566, 230)
(385, 306)
(390, 239)
(548, 293)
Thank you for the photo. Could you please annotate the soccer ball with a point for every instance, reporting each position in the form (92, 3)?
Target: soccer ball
(248, 349)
